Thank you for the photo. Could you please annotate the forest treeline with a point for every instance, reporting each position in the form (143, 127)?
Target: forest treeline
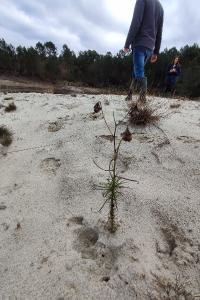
(44, 62)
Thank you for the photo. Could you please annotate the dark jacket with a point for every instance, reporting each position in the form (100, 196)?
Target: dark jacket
(172, 76)
(146, 26)
(177, 70)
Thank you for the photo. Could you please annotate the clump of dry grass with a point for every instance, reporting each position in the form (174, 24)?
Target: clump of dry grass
(11, 107)
(175, 105)
(8, 98)
(5, 136)
(144, 116)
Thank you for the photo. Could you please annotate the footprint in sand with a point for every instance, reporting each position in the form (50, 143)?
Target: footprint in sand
(50, 165)
(166, 156)
(87, 243)
(86, 239)
(174, 244)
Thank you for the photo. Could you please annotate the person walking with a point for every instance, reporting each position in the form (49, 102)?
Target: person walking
(144, 37)
(173, 72)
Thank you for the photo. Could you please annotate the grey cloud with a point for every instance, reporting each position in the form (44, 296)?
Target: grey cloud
(88, 24)
(182, 21)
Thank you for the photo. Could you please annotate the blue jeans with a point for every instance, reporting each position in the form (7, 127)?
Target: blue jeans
(140, 57)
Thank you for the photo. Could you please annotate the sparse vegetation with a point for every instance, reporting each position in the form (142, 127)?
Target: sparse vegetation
(175, 105)
(11, 107)
(5, 136)
(144, 116)
(8, 98)
(115, 183)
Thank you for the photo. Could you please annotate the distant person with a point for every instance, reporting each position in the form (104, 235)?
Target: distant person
(173, 72)
(144, 37)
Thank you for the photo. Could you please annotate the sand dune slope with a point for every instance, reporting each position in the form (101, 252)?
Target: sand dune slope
(53, 240)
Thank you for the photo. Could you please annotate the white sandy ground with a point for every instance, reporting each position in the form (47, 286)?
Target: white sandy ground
(47, 179)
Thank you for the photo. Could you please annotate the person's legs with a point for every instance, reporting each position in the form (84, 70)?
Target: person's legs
(140, 58)
(139, 81)
(130, 92)
(167, 87)
(173, 86)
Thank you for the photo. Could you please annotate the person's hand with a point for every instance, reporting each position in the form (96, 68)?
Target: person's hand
(126, 50)
(154, 58)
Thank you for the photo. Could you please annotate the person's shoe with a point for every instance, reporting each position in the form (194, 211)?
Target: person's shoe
(129, 96)
(131, 89)
(141, 102)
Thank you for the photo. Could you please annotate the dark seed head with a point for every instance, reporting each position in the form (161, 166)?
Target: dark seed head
(18, 226)
(126, 135)
(106, 278)
(97, 107)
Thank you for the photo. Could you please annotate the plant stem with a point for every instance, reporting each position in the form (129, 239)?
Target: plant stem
(112, 206)
(106, 122)
(114, 177)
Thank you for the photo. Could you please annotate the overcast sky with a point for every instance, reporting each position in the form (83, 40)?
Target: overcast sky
(101, 25)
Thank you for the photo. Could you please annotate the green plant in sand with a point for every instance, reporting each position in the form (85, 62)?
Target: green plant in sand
(112, 188)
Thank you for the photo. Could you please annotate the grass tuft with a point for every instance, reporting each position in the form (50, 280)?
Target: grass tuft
(8, 98)
(175, 105)
(11, 107)
(144, 116)
(5, 136)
